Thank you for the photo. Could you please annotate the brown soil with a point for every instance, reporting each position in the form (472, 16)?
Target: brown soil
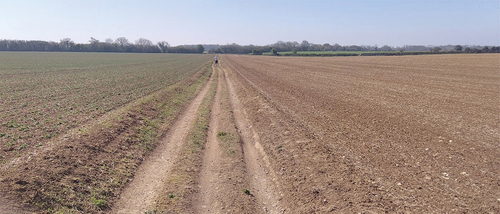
(377, 134)
(222, 178)
(8, 207)
(262, 176)
(412, 134)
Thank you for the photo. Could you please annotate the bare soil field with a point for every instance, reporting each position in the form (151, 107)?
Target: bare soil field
(261, 134)
(377, 134)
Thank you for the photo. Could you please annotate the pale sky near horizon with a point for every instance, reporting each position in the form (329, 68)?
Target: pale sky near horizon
(258, 22)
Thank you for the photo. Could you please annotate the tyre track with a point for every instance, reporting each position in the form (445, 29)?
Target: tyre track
(223, 173)
(209, 174)
(262, 177)
(139, 196)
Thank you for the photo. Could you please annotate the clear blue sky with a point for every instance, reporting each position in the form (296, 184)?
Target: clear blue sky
(258, 22)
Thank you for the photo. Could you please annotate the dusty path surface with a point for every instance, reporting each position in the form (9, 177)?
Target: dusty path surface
(211, 160)
(209, 174)
(377, 134)
(139, 196)
(223, 175)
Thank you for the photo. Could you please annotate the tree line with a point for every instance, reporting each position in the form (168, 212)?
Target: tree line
(120, 44)
(143, 45)
(294, 47)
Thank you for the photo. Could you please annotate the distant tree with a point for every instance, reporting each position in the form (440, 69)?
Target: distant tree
(385, 48)
(486, 49)
(144, 45)
(94, 44)
(143, 42)
(458, 48)
(471, 50)
(274, 52)
(66, 44)
(337, 47)
(436, 49)
(163, 46)
(256, 52)
(280, 46)
(327, 47)
(304, 46)
(294, 51)
(200, 49)
(122, 43)
(315, 47)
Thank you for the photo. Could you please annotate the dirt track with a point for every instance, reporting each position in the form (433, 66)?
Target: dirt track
(151, 173)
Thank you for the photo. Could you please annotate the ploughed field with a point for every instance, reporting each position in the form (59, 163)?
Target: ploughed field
(358, 134)
(164, 133)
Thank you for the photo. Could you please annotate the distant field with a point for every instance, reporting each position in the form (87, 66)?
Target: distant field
(336, 52)
(45, 94)
(333, 53)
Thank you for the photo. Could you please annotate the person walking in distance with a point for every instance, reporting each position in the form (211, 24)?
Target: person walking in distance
(216, 61)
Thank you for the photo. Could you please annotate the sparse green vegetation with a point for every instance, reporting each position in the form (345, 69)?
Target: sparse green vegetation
(49, 93)
(134, 90)
(98, 202)
(24, 146)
